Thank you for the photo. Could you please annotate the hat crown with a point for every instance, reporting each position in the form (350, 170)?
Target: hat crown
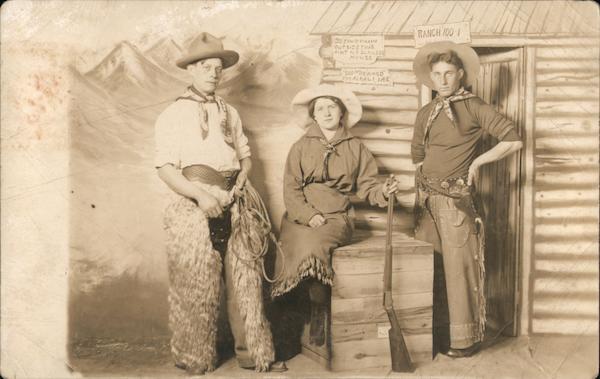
(205, 42)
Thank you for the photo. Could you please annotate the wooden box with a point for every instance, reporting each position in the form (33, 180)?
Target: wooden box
(357, 336)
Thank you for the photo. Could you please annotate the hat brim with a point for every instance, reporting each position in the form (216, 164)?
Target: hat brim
(228, 57)
(348, 98)
(466, 53)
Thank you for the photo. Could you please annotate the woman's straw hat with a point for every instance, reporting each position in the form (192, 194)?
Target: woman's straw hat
(347, 97)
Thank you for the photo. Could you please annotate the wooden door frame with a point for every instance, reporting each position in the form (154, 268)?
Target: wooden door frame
(523, 284)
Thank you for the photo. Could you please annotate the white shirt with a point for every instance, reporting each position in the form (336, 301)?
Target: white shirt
(179, 141)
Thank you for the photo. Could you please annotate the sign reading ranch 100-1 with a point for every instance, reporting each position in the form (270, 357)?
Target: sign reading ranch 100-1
(458, 32)
(355, 54)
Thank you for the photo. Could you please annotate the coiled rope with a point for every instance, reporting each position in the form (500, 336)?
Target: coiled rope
(253, 231)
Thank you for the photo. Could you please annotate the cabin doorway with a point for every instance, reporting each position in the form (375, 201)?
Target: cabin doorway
(501, 84)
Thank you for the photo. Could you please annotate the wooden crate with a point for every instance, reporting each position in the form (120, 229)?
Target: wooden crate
(357, 334)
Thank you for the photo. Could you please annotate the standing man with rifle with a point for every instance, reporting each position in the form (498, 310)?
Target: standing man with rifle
(446, 149)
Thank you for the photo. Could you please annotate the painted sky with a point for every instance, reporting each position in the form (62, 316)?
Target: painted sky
(98, 25)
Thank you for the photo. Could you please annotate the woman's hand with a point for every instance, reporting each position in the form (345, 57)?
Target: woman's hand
(316, 221)
(209, 205)
(390, 186)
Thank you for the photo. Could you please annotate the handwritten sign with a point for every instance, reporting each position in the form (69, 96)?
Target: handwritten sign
(459, 32)
(372, 76)
(357, 49)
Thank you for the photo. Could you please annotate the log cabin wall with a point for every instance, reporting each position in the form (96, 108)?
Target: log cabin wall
(565, 265)
(559, 265)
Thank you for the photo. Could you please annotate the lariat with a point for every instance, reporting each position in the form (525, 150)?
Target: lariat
(252, 232)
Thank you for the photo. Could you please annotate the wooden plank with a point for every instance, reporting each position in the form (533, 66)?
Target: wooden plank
(386, 13)
(552, 19)
(371, 261)
(355, 355)
(574, 306)
(389, 102)
(394, 164)
(564, 64)
(364, 331)
(389, 117)
(587, 230)
(388, 147)
(396, 89)
(516, 17)
(330, 17)
(347, 17)
(374, 219)
(567, 211)
(573, 284)
(565, 326)
(574, 179)
(349, 286)
(584, 266)
(402, 13)
(367, 245)
(566, 161)
(369, 12)
(560, 143)
(391, 64)
(566, 92)
(569, 53)
(523, 17)
(493, 13)
(586, 108)
(478, 13)
(459, 12)
(392, 132)
(402, 77)
(419, 16)
(506, 17)
(573, 249)
(441, 12)
(536, 22)
(567, 76)
(400, 53)
(542, 195)
(370, 309)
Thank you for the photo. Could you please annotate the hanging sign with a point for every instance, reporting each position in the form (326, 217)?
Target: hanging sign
(353, 50)
(372, 76)
(459, 32)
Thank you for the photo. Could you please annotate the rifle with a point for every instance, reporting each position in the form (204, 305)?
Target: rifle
(400, 357)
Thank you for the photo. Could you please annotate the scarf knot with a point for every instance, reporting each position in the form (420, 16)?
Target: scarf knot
(445, 103)
(330, 148)
(201, 98)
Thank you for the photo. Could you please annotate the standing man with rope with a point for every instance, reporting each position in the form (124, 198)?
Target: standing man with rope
(446, 148)
(202, 154)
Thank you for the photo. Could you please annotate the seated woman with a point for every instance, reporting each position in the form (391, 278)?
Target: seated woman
(323, 168)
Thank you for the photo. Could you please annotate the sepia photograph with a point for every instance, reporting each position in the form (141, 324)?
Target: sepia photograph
(299, 189)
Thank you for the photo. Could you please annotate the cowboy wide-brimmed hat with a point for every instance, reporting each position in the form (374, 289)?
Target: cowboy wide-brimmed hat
(465, 52)
(347, 97)
(208, 46)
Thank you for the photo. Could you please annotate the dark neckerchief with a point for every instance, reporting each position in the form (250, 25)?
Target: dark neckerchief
(340, 136)
(440, 103)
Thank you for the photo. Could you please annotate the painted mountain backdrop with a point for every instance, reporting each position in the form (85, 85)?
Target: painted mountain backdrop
(117, 199)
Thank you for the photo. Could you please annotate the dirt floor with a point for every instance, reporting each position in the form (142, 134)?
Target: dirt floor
(568, 357)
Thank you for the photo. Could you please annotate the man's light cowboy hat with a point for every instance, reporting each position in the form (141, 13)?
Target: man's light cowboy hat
(466, 54)
(208, 46)
(347, 97)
